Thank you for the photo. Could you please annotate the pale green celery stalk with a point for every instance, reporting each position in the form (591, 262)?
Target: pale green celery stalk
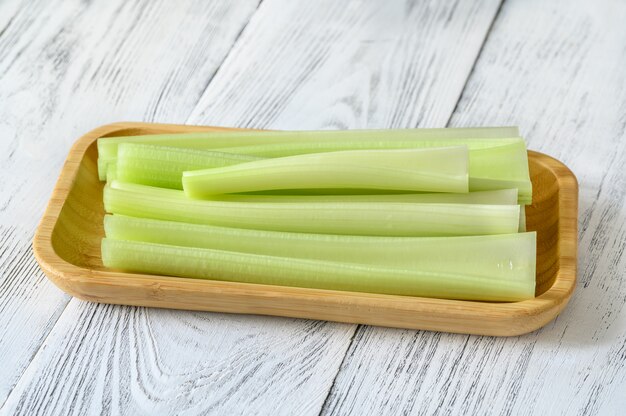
(479, 137)
(524, 187)
(498, 197)
(439, 169)
(104, 167)
(357, 218)
(522, 219)
(517, 284)
(107, 147)
(425, 253)
(163, 166)
(503, 164)
(111, 173)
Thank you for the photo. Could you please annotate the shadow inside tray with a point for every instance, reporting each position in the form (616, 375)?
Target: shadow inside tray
(77, 233)
(543, 217)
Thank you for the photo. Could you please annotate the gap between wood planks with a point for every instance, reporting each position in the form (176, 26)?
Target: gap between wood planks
(219, 66)
(473, 68)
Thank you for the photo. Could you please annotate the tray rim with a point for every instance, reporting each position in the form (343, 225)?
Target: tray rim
(502, 319)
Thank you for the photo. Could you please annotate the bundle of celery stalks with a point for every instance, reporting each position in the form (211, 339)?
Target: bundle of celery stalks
(416, 212)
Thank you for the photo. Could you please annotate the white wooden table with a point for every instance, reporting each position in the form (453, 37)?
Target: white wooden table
(557, 69)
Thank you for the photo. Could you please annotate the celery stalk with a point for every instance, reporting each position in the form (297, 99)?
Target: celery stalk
(424, 253)
(430, 170)
(501, 165)
(498, 197)
(107, 146)
(111, 173)
(522, 219)
(164, 166)
(514, 283)
(358, 218)
(104, 166)
(473, 137)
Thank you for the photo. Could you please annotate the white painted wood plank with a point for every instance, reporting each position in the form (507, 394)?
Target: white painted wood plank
(297, 65)
(65, 68)
(557, 70)
(367, 64)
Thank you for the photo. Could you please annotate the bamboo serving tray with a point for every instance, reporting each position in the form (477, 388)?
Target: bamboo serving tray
(67, 246)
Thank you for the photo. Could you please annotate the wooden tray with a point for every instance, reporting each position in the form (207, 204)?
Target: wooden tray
(67, 246)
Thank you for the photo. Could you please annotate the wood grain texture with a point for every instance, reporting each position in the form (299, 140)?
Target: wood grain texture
(557, 70)
(66, 67)
(323, 65)
(67, 246)
(364, 64)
